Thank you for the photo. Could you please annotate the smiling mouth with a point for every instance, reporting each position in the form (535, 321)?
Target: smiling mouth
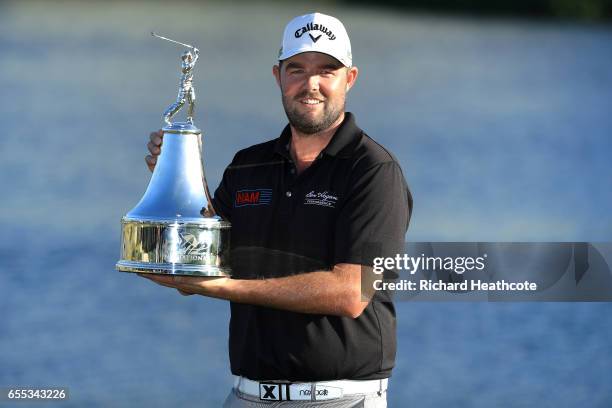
(310, 101)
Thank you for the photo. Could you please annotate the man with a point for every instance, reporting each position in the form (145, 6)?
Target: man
(324, 199)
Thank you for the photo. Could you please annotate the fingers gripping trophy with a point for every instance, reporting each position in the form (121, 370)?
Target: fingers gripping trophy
(174, 228)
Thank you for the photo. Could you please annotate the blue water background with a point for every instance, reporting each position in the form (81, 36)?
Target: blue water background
(502, 127)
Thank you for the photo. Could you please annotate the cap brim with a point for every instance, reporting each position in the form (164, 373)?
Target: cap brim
(301, 50)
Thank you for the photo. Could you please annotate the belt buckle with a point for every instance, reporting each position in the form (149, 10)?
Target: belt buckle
(274, 391)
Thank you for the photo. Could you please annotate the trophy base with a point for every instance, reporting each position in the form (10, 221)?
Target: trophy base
(171, 247)
(172, 269)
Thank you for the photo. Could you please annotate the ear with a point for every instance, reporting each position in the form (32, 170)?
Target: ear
(351, 77)
(276, 73)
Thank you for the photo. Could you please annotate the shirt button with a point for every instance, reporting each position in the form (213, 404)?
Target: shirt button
(288, 193)
(292, 171)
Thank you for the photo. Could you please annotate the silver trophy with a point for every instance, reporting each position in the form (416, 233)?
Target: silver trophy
(166, 232)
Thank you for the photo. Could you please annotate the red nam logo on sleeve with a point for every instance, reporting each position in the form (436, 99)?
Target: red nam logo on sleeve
(259, 196)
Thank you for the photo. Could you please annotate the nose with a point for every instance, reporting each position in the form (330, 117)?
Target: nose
(312, 82)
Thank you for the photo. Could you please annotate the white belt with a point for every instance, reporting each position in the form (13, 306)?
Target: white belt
(317, 391)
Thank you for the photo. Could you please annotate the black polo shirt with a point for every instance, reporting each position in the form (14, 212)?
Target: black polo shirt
(351, 204)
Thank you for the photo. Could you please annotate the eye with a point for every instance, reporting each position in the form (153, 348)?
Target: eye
(327, 72)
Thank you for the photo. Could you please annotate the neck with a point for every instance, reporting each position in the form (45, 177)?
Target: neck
(305, 148)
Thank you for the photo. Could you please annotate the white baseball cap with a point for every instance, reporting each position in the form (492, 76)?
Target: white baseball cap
(319, 33)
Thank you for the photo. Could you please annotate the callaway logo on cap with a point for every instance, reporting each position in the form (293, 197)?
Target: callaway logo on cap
(319, 33)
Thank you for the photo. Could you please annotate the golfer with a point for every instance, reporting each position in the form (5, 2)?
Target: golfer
(309, 212)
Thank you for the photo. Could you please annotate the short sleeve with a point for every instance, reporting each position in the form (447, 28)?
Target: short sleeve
(223, 199)
(374, 218)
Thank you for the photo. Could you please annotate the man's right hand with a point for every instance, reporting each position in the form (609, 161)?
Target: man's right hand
(154, 146)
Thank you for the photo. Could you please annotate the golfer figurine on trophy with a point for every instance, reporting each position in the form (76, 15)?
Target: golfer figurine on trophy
(186, 92)
(166, 232)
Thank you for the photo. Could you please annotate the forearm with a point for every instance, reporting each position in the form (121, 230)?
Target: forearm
(336, 292)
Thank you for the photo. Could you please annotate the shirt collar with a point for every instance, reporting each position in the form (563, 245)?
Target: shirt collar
(341, 144)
